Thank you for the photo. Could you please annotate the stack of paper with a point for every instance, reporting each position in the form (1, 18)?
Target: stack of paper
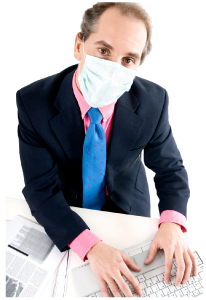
(34, 265)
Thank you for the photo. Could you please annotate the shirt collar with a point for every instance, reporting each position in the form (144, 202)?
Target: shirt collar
(105, 110)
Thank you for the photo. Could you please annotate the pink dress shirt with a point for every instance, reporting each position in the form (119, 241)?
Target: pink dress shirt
(86, 239)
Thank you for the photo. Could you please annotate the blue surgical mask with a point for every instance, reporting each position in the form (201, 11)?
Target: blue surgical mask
(103, 81)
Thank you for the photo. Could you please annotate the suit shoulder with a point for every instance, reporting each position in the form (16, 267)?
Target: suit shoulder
(45, 85)
(149, 93)
(147, 86)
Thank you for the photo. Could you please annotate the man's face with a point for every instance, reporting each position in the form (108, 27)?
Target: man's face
(118, 39)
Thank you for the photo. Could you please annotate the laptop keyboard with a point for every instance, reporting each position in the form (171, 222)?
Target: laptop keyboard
(153, 285)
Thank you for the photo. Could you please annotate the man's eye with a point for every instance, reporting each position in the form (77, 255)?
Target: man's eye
(129, 60)
(102, 50)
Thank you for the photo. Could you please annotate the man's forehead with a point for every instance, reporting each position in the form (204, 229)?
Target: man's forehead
(121, 28)
(130, 39)
(126, 41)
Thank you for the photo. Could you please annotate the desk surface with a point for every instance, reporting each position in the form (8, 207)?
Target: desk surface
(113, 229)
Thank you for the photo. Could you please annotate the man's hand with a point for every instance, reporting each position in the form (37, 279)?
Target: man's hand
(109, 264)
(171, 239)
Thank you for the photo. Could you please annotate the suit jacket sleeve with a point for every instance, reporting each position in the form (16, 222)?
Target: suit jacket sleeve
(41, 191)
(162, 156)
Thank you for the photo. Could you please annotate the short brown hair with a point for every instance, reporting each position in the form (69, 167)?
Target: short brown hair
(130, 9)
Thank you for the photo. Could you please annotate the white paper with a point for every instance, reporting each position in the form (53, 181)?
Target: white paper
(31, 258)
(47, 292)
(61, 277)
(56, 286)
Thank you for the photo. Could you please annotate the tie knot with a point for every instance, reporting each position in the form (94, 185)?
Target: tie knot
(94, 115)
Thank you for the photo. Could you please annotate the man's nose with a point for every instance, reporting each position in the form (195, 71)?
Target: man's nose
(117, 59)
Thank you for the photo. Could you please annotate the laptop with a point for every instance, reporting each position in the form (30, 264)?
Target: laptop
(150, 277)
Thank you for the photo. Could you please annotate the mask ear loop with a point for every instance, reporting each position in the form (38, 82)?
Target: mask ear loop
(83, 49)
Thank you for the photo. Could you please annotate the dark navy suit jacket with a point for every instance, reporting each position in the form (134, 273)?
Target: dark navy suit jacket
(51, 136)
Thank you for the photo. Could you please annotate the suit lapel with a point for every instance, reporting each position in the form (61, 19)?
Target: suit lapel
(126, 127)
(68, 127)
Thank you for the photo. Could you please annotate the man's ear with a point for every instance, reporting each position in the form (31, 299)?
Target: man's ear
(77, 46)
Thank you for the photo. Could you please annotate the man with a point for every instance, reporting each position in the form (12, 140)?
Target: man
(81, 133)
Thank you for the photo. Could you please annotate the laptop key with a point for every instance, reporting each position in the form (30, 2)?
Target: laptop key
(190, 295)
(154, 280)
(160, 277)
(198, 260)
(166, 291)
(142, 285)
(143, 293)
(196, 278)
(172, 279)
(160, 294)
(185, 291)
(155, 288)
(168, 284)
(141, 278)
(179, 287)
(200, 268)
(179, 294)
(161, 285)
(148, 282)
(131, 289)
(172, 295)
(172, 288)
(173, 272)
(195, 254)
(145, 248)
(153, 295)
(196, 292)
(135, 295)
(148, 291)
(191, 280)
(201, 282)
(186, 284)
(197, 285)
(99, 294)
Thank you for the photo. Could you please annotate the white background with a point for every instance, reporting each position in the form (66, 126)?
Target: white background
(38, 41)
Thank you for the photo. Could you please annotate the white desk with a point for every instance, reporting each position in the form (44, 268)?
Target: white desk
(113, 229)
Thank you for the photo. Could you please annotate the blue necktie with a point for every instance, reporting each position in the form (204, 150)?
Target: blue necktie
(94, 162)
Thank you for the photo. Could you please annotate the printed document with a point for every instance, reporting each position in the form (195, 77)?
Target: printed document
(31, 258)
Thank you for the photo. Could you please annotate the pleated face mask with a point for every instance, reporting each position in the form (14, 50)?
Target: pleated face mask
(102, 81)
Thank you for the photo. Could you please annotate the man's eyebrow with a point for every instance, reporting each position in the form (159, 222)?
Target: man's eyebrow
(105, 44)
(135, 55)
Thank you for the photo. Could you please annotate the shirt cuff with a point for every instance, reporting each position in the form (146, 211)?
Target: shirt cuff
(175, 217)
(83, 242)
